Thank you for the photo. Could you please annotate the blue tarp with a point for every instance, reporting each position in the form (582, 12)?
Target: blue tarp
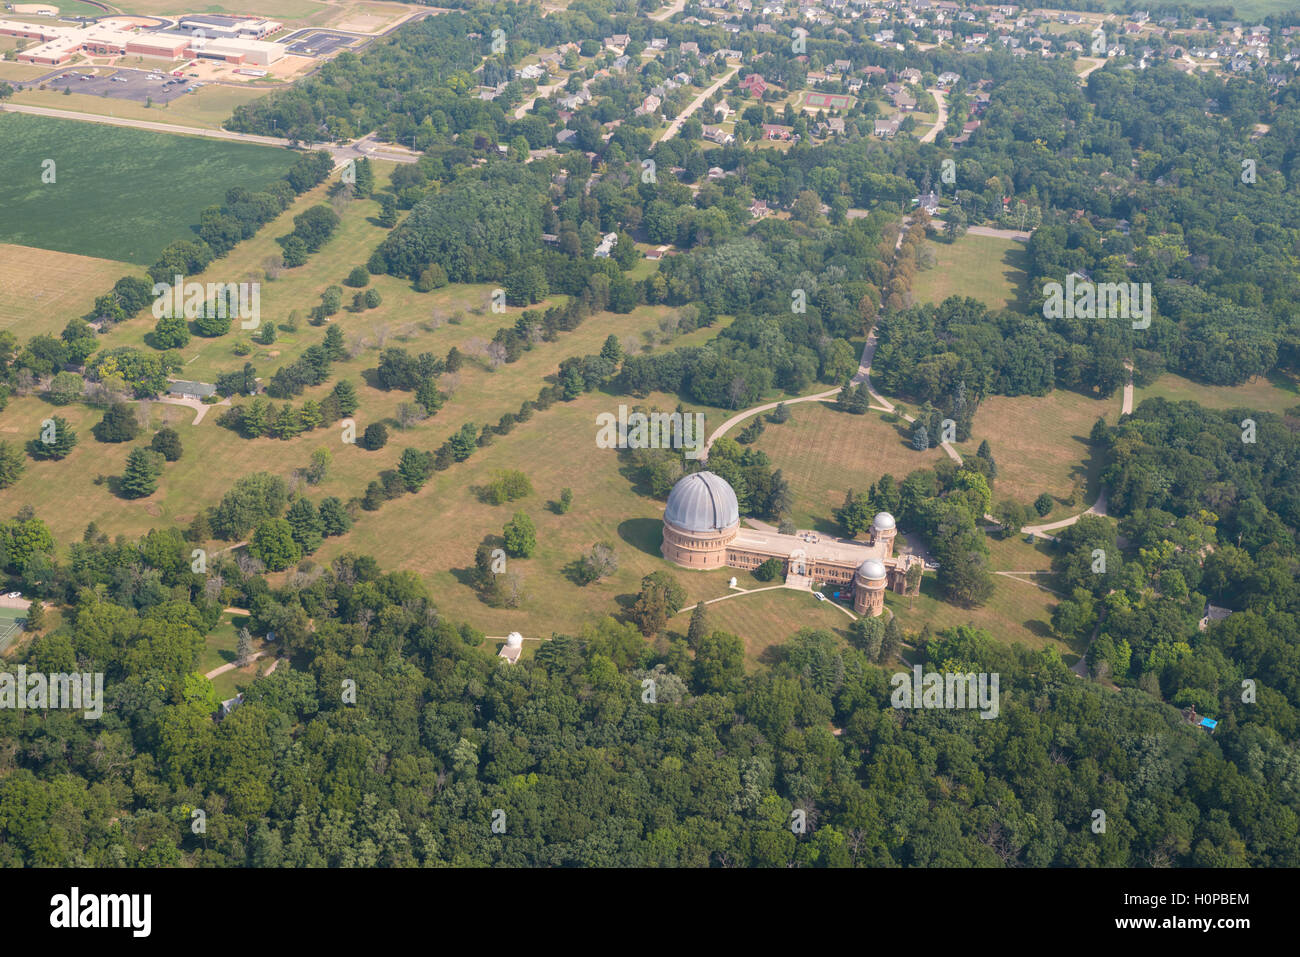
(1209, 723)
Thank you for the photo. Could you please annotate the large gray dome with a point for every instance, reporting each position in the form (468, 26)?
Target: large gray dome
(702, 502)
(871, 570)
(883, 521)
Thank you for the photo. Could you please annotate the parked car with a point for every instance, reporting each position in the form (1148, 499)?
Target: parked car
(14, 594)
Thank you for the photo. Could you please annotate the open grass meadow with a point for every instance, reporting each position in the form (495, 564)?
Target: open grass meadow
(986, 268)
(824, 453)
(40, 290)
(118, 193)
(1040, 444)
(1278, 392)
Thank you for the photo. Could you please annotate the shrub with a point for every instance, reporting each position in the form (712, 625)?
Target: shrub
(358, 277)
(167, 441)
(375, 437)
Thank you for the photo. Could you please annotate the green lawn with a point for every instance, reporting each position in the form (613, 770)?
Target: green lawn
(1277, 392)
(766, 619)
(823, 454)
(983, 267)
(118, 193)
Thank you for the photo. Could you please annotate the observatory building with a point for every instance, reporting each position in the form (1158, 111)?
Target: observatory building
(702, 530)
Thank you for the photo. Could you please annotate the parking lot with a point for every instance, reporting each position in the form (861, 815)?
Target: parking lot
(136, 85)
(318, 42)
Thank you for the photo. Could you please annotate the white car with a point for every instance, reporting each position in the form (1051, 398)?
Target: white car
(820, 596)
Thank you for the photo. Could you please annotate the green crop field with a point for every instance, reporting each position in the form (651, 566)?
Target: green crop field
(118, 193)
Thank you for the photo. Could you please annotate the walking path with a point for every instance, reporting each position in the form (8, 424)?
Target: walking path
(232, 665)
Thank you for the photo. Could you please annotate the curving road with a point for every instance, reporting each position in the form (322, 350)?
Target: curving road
(941, 120)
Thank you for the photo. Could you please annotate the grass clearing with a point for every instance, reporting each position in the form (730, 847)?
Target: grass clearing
(1276, 392)
(119, 193)
(986, 268)
(764, 620)
(824, 453)
(1040, 444)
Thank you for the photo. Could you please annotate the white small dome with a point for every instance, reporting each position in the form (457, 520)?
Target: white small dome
(883, 521)
(872, 570)
(514, 640)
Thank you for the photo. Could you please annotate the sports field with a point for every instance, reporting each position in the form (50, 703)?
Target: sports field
(118, 193)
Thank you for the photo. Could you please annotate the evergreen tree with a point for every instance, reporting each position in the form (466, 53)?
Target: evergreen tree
(334, 516)
(892, 644)
(920, 437)
(699, 626)
(12, 464)
(143, 467)
(54, 440)
(35, 619)
(244, 647)
(345, 394)
(307, 527)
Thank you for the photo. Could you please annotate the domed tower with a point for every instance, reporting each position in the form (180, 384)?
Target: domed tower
(701, 520)
(869, 588)
(883, 531)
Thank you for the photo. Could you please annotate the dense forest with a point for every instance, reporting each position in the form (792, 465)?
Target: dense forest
(442, 740)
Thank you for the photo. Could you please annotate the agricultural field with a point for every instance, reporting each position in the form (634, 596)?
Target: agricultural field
(1278, 393)
(40, 290)
(1040, 444)
(824, 453)
(118, 193)
(986, 268)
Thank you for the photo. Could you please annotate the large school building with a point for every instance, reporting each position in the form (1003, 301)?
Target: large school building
(59, 44)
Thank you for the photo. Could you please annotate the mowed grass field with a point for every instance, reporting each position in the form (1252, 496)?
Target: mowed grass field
(40, 290)
(823, 454)
(983, 267)
(765, 619)
(206, 108)
(119, 193)
(1040, 444)
(1278, 393)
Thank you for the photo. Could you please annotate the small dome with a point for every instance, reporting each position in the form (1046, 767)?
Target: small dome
(702, 502)
(872, 570)
(514, 640)
(883, 521)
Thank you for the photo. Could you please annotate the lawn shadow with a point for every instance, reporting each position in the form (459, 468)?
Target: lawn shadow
(644, 534)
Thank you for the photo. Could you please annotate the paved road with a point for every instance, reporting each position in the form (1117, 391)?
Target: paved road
(366, 146)
(676, 7)
(941, 121)
(696, 103)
